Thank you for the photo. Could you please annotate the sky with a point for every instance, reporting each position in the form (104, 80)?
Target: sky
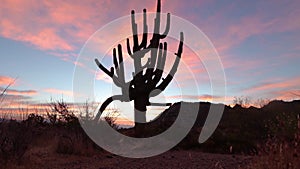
(257, 42)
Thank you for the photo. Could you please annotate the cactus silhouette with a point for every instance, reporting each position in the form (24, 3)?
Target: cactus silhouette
(147, 79)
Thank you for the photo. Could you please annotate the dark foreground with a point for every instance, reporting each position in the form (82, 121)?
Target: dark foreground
(44, 158)
(268, 137)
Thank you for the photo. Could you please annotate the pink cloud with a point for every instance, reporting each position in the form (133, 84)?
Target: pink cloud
(45, 38)
(48, 25)
(57, 25)
(57, 91)
(284, 84)
(227, 31)
(68, 24)
(255, 25)
(103, 77)
(287, 95)
(4, 80)
(21, 92)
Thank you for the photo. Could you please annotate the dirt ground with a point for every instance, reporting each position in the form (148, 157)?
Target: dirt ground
(42, 157)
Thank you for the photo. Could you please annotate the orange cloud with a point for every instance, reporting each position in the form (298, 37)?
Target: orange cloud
(205, 97)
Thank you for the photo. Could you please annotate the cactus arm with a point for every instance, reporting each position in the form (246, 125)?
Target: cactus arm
(173, 70)
(134, 32)
(160, 104)
(109, 73)
(119, 80)
(164, 35)
(128, 48)
(145, 31)
(106, 103)
(121, 70)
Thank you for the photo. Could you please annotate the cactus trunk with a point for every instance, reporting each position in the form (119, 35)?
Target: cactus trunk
(140, 109)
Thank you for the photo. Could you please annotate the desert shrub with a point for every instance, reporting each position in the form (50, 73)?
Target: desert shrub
(35, 119)
(75, 142)
(261, 102)
(282, 126)
(111, 118)
(239, 129)
(60, 113)
(65, 145)
(14, 140)
(280, 150)
(86, 112)
(243, 101)
(52, 117)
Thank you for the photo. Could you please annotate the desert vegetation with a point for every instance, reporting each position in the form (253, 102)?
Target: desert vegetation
(58, 128)
(269, 135)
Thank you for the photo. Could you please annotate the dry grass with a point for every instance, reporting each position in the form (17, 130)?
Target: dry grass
(279, 153)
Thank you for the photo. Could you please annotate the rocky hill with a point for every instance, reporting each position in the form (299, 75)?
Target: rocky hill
(242, 127)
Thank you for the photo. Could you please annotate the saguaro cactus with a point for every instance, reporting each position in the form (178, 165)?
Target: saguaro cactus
(147, 79)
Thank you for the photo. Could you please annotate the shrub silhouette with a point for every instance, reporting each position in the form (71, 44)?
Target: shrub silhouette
(60, 112)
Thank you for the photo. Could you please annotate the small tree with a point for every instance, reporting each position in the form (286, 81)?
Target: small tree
(242, 101)
(60, 112)
(147, 79)
(261, 102)
(86, 111)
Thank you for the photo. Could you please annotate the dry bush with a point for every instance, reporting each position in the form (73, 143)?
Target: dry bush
(243, 101)
(72, 139)
(35, 120)
(14, 141)
(76, 143)
(260, 103)
(60, 112)
(279, 152)
(111, 118)
(86, 112)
